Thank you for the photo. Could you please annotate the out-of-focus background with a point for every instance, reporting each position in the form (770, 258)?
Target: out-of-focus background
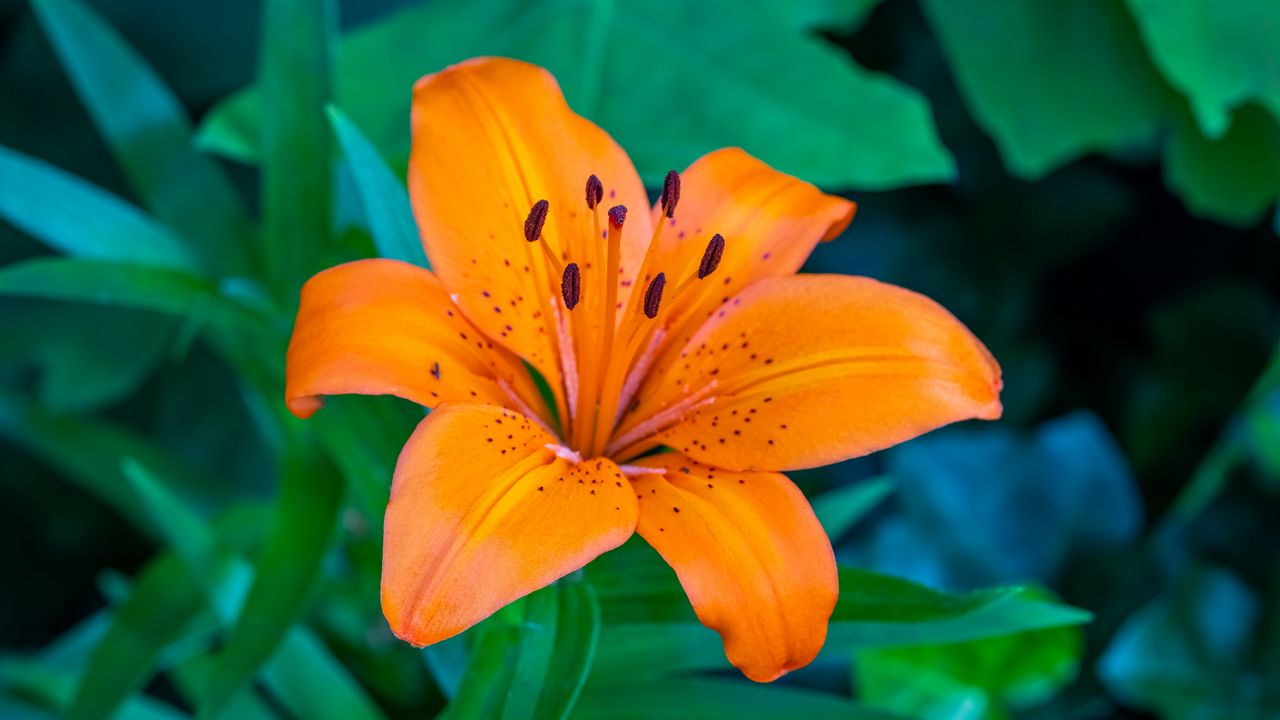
(1090, 185)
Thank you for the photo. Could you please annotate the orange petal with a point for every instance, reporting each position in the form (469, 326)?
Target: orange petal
(384, 327)
(482, 513)
(750, 554)
(808, 370)
(491, 137)
(770, 221)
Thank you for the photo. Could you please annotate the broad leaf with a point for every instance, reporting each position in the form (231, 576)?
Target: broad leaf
(804, 106)
(1235, 178)
(1220, 55)
(694, 699)
(1050, 81)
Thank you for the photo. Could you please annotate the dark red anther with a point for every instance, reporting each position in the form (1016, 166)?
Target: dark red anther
(653, 296)
(595, 192)
(537, 218)
(571, 285)
(711, 258)
(618, 215)
(670, 193)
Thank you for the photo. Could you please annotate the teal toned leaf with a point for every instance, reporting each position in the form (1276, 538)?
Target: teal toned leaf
(296, 65)
(1186, 654)
(839, 509)
(116, 284)
(1220, 55)
(533, 668)
(386, 203)
(312, 683)
(54, 688)
(978, 678)
(83, 358)
(1235, 178)
(163, 604)
(149, 133)
(1050, 81)
(802, 107)
(79, 219)
(306, 515)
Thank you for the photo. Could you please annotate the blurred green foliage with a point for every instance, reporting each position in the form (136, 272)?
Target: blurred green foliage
(1091, 186)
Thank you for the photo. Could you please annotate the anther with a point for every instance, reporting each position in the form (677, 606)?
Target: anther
(653, 296)
(595, 192)
(711, 258)
(618, 215)
(571, 285)
(537, 218)
(670, 193)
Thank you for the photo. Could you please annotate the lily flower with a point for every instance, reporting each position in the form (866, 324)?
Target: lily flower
(688, 366)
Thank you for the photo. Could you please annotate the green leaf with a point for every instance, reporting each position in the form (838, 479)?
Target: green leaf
(312, 683)
(873, 610)
(1219, 55)
(306, 515)
(1050, 81)
(79, 219)
(386, 204)
(709, 698)
(84, 358)
(88, 452)
(882, 611)
(149, 133)
(295, 70)
(976, 678)
(838, 510)
(536, 668)
(1235, 178)
(802, 107)
(111, 283)
(54, 688)
(164, 603)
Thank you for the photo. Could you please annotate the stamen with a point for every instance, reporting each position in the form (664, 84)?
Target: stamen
(618, 215)
(537, 218)
(661, 420)
(571, 285)
(568, 358)
(564, 453)
(521, 405)
(711, 258)
(638, 372)
(670, 193)
(638, 470)
(595, 192)
(653, 296)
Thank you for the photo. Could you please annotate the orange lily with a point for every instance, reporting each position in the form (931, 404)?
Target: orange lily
(682, 327)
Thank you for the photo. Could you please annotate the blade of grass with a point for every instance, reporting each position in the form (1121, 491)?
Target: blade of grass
(76, 218)
(386, 204)
(306, 516)
(149, 133)
(295, 68)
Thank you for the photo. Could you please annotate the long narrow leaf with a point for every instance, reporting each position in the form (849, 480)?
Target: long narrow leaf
(296, 63)
(72, 216)
(310, 496)
(149, 133)
(386, 204)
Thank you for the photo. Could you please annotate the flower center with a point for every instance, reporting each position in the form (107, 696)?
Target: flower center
(606, 349)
